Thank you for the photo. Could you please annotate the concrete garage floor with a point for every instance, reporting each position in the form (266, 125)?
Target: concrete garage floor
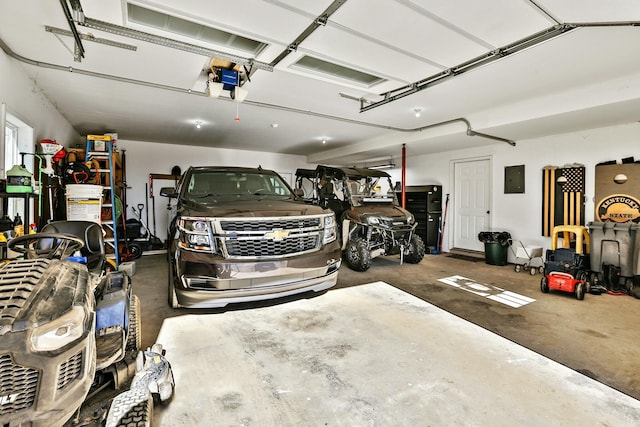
(434, 368)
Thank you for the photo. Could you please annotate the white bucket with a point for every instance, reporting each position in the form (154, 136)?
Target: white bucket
(84, 202)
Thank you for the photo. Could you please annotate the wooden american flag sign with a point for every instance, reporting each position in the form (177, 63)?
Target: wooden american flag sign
(562, 202)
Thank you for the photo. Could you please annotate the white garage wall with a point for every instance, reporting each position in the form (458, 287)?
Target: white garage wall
(25, 100)
(144, 158)
(521, 214)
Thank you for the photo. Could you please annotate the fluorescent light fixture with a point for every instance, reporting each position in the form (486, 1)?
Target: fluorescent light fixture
(384, 166)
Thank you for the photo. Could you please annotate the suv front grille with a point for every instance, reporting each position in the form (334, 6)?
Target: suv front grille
(18, 386)
(70, 370)
(270, 237)
(257, 248)
(17, 281)
(268, 225)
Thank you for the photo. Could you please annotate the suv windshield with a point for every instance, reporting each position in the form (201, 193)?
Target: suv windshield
(232, 184)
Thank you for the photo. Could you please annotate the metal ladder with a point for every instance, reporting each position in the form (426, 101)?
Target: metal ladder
(102, 156)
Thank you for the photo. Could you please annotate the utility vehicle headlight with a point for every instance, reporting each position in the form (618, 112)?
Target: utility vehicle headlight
(411, 219)
(329, 229)
(373, 220)
(59, 332)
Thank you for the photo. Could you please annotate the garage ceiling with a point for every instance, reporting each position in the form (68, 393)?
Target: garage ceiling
(509, 69)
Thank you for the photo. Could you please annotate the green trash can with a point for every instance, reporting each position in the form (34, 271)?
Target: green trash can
(495, 246)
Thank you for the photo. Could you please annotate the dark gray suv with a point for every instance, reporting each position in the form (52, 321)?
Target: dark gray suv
(241, 234)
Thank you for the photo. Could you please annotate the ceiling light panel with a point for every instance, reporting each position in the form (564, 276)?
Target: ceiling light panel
(272, 22)
(197, 32)
(335, 70)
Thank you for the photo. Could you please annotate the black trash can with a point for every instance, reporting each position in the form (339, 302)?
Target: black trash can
(495, 246)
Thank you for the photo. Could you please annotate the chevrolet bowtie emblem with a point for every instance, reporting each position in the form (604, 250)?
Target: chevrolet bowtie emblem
(277, 234)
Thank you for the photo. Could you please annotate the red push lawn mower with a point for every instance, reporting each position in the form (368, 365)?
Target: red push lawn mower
(567, 269)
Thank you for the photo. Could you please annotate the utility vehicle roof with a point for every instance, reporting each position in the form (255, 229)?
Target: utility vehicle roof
(306, 173)
(355, 173)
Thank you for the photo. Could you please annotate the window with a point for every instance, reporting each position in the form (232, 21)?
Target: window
(11, 155)
(17, 138)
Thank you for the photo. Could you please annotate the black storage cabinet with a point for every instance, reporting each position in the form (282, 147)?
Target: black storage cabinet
(425, 203)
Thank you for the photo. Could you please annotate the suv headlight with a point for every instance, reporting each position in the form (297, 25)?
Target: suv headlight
(195, 234)
(59, 332)
(329, 229)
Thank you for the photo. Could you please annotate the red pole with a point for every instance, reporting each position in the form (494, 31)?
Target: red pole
(404, 175)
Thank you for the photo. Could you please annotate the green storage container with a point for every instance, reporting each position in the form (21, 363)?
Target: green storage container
(495, 253)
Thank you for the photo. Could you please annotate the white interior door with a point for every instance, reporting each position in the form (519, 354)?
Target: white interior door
(472, 198)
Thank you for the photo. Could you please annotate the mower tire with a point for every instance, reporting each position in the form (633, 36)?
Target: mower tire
(544, 284)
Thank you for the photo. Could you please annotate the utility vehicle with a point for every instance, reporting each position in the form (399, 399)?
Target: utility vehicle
(370, 219)
(64, 319)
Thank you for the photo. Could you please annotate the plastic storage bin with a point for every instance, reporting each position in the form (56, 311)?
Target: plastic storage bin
(495, 246)
(615, 244)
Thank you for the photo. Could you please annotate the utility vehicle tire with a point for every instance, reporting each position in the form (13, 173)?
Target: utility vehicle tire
(171, 289)
(533, 271)
(134, 339)
(357, 255)
(416, 250)
(518, 268)
(580, 291)
(131, 409)
(544, 284)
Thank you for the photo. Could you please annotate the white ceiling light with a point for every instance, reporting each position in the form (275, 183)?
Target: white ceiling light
(198, 125)
(417, 111)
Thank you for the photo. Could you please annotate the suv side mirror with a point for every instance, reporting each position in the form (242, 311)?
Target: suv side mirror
(298, 192)
(168, 192)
